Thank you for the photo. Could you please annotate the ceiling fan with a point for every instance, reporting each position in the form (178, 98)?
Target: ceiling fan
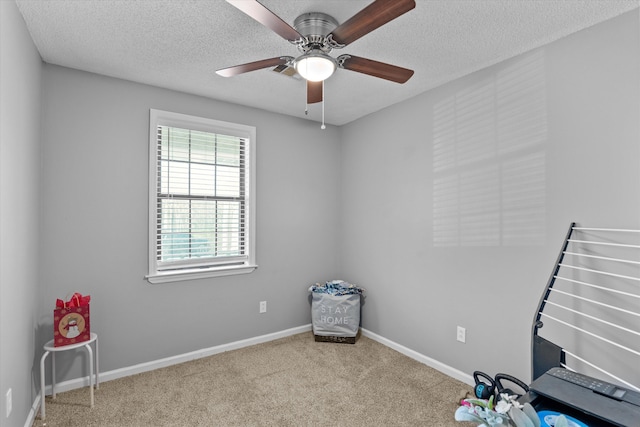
(316, 35)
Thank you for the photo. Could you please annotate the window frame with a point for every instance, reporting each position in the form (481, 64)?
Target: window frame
(214, 268)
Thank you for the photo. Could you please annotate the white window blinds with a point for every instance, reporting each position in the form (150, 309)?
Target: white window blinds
(200, 210)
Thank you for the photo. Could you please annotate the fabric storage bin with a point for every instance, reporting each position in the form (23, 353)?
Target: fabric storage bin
(335, 312)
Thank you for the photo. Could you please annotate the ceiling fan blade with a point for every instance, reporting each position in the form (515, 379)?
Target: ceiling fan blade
(314, 92)
(368, 19)
(267, 18)
(375, 68)
(252, 66)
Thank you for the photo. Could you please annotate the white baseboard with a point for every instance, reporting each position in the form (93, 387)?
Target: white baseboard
(35, 407)
(174, 360)
(445, 369)
(198, 354)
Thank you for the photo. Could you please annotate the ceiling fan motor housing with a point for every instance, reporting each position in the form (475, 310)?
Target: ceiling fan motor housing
(314, 26)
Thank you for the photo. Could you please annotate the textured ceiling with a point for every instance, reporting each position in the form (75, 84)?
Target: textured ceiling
(178, 44)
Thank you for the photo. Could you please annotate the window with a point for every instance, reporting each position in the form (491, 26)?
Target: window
(201, 198)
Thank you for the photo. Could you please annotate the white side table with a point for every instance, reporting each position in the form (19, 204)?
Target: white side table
(50, 348)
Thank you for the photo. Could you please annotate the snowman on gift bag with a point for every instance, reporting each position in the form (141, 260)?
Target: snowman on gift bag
(72, 328)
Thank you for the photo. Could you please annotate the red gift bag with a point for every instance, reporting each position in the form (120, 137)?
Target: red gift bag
(71, 323)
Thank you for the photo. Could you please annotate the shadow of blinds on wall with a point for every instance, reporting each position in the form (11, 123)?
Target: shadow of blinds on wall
(489, 159)
(588, 319)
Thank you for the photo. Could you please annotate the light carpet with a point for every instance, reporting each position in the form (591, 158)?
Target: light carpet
(293, 381)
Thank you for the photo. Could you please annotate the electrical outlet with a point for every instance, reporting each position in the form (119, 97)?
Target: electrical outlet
(263, 306)
(461, 334)
(9, 403)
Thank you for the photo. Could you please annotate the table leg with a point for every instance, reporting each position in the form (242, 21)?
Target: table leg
(97, 368)
(42, 408)
(53, 375)
(88, 347)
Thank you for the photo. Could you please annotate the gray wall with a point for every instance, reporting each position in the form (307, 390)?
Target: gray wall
(95, 214)
(20, 97)
(469, 238)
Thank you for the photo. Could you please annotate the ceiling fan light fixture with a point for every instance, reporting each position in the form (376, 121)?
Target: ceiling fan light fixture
(315, 65)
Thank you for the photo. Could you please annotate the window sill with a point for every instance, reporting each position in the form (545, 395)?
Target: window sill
(199, 273)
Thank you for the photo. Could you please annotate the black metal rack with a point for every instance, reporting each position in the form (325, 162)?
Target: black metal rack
(588, 323)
